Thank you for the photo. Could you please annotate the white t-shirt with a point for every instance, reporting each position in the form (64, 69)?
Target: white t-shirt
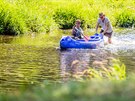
(103, 24)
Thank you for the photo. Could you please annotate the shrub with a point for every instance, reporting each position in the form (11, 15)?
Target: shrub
(125, 19)
(11, 22)
(19, 17)
(66, 17)
(23, 16)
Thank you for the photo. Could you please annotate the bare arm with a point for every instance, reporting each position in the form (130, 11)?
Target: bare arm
(97, 27)
(73, 30)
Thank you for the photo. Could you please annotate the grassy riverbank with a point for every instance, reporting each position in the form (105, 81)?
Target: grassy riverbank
(30, 17)
(26, 16)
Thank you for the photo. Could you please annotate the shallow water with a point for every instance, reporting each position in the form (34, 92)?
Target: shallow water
(124, 48)
(24, 66)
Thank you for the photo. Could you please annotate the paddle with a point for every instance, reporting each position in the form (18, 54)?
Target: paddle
(85, 38)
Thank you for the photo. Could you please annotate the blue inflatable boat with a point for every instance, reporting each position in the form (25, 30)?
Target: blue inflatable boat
(94, 42)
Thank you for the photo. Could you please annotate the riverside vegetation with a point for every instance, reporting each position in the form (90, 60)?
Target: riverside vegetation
(27, 16)
(47, 16)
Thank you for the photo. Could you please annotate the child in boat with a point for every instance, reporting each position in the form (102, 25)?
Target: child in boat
(77, 31)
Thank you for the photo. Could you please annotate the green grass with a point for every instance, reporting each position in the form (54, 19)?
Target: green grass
(26, 16)
(43, 16)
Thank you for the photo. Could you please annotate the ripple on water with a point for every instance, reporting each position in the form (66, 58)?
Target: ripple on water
(124, 47)
(122, 42)
(75, 61)
(22, 66)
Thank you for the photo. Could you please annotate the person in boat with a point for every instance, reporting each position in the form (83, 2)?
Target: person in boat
(77, 31)
(106, 29)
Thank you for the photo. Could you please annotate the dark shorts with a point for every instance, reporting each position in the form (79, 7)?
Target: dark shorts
(109, 35)
(75, 36)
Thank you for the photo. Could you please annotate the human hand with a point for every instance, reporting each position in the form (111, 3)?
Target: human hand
(103, 32)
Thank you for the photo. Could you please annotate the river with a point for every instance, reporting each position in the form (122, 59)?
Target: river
(24, 66)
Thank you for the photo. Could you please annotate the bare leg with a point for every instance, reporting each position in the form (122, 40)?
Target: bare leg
(109, 40)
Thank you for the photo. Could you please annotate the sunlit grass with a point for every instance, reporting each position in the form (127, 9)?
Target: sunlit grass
(25, 16)
(43, 16)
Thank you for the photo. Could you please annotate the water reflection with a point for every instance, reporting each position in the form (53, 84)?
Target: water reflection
(75, 61)
(22, 66)
(6, 39)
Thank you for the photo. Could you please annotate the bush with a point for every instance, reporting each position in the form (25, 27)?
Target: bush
(19, 17)
(65, 17)
(125, 19)
(23, 16)
(11, 22)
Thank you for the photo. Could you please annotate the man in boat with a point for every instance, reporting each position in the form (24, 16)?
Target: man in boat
(77, 30)
(106, 29)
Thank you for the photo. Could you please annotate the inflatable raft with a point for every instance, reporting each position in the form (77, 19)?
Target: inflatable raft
(94, 42)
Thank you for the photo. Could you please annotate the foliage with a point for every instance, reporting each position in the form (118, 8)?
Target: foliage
(78, 91)
(10, 21)
(19, 17)
(25, 16)
(65, 18)
(125, 19)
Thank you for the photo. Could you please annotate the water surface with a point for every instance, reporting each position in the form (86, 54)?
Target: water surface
(24, 66)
